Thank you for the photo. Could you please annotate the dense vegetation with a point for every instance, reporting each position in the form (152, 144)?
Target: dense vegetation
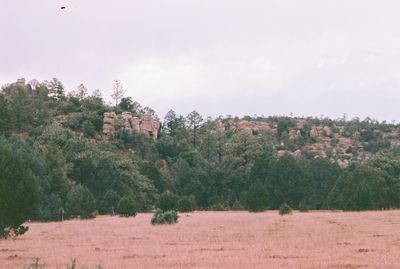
(60, 154)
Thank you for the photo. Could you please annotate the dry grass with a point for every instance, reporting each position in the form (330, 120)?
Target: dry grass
(215, 240)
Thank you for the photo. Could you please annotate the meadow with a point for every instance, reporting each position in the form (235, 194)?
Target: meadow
(318, 239)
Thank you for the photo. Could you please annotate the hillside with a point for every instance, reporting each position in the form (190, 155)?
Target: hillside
(77, 145)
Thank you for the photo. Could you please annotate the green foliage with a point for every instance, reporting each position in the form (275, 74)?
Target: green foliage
(18, 193)
(215, 161)
(287, 182)
(5, 124)
(237, 206)
(80, 202)
(109, 202)
(257, 198)
(187, 204)
(149, 170)
(88, 128)
(303, 207)
(164, 217)
(127, 206)
(285, 209)
(167, 201)
(50, 207)
(360, 189)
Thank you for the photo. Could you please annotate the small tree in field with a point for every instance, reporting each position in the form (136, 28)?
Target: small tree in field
(167, 217)
(285, 209)
(18, 193)
(127, 206)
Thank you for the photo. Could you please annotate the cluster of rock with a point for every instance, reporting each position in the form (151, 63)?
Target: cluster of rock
(318, 140)
(147, 125)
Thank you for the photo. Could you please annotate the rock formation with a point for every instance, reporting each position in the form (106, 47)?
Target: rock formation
(250, 127)
(108, 123)
(147, 125)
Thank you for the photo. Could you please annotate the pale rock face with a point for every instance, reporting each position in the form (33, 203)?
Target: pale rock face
(281, 153)
(148, 125)
(328, 130)
(135, 124)
(108, 123)
(249, 127)
(342, 163)
(297, 154)
(220, 126)
(314, 132)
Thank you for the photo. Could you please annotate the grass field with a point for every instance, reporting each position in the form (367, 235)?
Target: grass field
(215, 240)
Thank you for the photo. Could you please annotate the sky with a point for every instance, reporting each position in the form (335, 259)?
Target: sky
(219, 57)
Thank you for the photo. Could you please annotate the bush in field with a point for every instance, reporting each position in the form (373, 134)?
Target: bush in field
(256, 199)
(18, 193)
(167, 201)
(285, 209)
(127, 206)
(167, 217)
(80, 203)
(186, 204)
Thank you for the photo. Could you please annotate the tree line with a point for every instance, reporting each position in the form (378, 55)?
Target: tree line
(68, 168)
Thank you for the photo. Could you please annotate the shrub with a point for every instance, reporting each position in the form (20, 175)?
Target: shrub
(109, 202)
(167, 217)
(303, 207)
(49, 208)
(88, 128)
(80, 202)
(237, 206)
(127, 206)
(18, 193)
(167, 201)
(256, 199)
(186, 204)
(217, 207)
(285, 209)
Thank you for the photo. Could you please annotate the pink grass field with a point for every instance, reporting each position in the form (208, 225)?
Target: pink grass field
(214, 240)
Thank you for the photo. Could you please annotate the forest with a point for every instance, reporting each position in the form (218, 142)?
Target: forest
(56, 163)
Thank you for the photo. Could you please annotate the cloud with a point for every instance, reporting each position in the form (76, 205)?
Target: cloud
(219, 57)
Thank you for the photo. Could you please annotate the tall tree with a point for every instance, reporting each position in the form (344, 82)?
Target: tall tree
(56, 89)
(173, 123)
(194, 121)
(118, 91)
(81, 92)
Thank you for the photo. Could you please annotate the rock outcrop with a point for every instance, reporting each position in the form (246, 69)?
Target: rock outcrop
(147, 125)
(108, 123)
(251, 127)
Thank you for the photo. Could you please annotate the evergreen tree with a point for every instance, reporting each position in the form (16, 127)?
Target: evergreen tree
(18, 192)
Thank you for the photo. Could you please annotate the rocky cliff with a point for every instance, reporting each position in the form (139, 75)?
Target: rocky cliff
(147, 125)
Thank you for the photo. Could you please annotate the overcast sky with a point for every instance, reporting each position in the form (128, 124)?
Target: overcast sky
(219, 57)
